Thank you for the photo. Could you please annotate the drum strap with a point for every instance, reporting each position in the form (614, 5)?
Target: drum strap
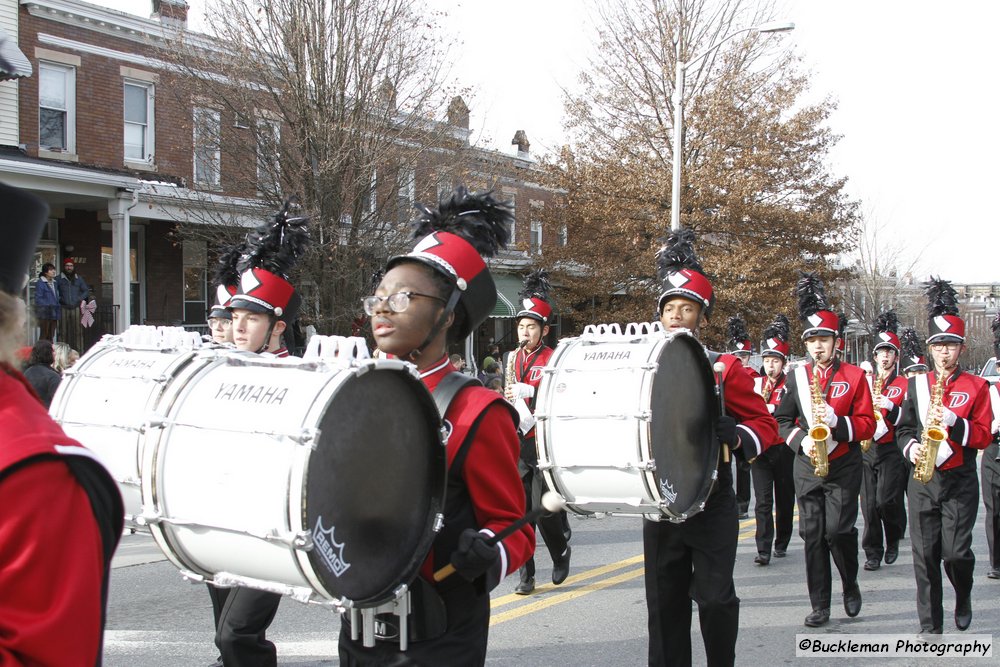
(448, 389)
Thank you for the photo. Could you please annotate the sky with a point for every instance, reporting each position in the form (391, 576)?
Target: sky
(914, 81)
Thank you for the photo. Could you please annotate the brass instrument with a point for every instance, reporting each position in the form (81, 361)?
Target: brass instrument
(876, 392)
(509, 377)
(767, 389)
(819, 432)
(934, 433)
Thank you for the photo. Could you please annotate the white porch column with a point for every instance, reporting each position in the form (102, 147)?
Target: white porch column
(121, 238)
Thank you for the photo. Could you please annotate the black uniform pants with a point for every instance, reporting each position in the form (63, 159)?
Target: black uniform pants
(828, 510)
(882, 498)
(693, 560)
(554, 527)
(991, 500)
(245, 618)
(743, 485)
(942, 514)
(218, 597)
(774, 491)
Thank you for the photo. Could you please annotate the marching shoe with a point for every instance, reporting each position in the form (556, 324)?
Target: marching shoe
(852, 600)
(872, 564)
(963, 614)
(817, 618)
(993, 573)
(892, 552)
(762, 559)
(560, 566)
(779, 553)
(527, 583)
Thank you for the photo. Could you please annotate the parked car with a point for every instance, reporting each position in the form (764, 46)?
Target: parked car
(991, 371)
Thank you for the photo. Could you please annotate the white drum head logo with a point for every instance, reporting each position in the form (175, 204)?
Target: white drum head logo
(838, 389)
(330, 551)
(667, 491)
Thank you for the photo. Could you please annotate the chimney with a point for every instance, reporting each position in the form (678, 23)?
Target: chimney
(172, 13)
(458, 113)
(523, 145)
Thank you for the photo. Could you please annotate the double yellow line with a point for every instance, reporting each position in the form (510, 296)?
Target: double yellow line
(572, 592)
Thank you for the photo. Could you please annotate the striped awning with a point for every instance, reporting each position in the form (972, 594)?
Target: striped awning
(13, 64)
(508, 301)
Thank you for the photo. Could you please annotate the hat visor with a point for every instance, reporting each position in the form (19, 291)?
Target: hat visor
(888, 346)
(530, 315)
(220, 312)
(772, 353)
(252, 306)
(818, 331)
(944, 338)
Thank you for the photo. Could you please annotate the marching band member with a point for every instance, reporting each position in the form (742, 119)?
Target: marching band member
(913, 360)
(884, 483)
(826, 399)
(741, 348)
(695, 559)
(955, 406)
(263, 306)
(443, 290)
(773, 486)
(991, 470)
(61, 514)
(524, 367)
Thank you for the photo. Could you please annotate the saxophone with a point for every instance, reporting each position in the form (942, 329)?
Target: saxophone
(509, 377)
(876, 392)
(819, 432)
(934, 433)
(767, 389)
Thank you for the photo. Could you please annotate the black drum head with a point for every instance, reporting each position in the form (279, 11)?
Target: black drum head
(684, 410)
(375, 484)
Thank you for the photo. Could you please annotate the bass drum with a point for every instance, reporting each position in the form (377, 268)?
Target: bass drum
(106, 398)
(324, 481)
(627, 423)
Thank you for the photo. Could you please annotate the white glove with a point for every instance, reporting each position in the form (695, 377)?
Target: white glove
(948, 418)
(772, 406)
(808, 446)
(831, 417)
(881, 428)
(884, 403)
(915, 452)
(944, 452)
(521, 390)
(996, 426)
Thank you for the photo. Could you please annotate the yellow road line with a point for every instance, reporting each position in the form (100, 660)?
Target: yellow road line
(564, 597)
(575, 579)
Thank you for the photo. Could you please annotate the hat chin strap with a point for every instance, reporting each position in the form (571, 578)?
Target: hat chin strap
(267, 338)
(456, 294)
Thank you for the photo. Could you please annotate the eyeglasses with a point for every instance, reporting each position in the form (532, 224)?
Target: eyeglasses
(398, 302)
(219, 323)
(940, 346)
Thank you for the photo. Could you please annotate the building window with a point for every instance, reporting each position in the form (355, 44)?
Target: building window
(371, 197)
(207, 147)
(345, 228)
(511, 197)
(406, 193)
(535, 242)
(268, 157)
(56, 107)
(195, 259)
(139, 121)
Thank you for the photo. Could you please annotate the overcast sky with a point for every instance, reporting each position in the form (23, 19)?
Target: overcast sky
(914, 80)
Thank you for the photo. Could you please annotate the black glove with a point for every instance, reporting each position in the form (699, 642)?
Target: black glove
(725, 432)
(474, 555)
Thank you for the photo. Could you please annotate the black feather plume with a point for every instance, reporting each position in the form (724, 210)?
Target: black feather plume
(887, 321)
(536, 284)
(942, 299)
(277, 244)
(376, 279)
(737, 329)
(811, 296)
(477, 217)
(676, 253)
(780, 328)
(910, 344)
(841, 324)
(226, 271)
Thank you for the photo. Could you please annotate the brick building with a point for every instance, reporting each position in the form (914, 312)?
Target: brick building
(104, 132)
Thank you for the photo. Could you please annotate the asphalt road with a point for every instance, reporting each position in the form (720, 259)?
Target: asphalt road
(597, 617)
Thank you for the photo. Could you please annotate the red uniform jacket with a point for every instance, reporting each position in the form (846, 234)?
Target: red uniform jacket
(754, 425)
(52, 553)
(968, 397)
(773, 400)
(488, 470)
(528, 370)
(893, 388)
(846, 390)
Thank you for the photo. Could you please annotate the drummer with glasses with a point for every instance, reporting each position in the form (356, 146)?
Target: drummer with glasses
(694, 560)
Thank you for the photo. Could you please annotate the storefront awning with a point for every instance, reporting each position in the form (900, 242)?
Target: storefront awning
(508, 301)
(13, 64)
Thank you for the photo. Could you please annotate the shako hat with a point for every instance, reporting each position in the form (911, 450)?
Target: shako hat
(535, 297)
(912, 359)
(817, 318)
(453, 240)
(886, 325)
(226, 280)
(841, 328)
(680, 272)
(272, 249)
(739, 338)
(23, 221)
(775, 343)
(944, 324)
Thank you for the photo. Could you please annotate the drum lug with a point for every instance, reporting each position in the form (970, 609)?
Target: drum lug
(302, 541)
(153, 422)
(308, 436)
(193, 578)
(438, 522)
(645, 415)
(649, 466)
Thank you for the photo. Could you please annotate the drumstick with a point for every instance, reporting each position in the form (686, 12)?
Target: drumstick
(719, 369)
(551, 502)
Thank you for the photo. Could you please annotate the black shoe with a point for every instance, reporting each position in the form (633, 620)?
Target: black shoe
(929, 631)
(742, 515)
(994, 573)
(217, 663)
(762, 559)
(963, 614)
(525, 586)
(852, 601)
(780, 553)
(872, 564)
(560, 566)
(892, 552)
(817, 618)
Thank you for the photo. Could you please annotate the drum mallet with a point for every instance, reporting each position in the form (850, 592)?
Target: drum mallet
(719, 369)
(551, 502)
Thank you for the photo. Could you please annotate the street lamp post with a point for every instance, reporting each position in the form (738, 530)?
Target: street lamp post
(681, 70)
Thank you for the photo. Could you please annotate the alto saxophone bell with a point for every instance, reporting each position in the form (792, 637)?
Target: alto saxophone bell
(820, 432)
